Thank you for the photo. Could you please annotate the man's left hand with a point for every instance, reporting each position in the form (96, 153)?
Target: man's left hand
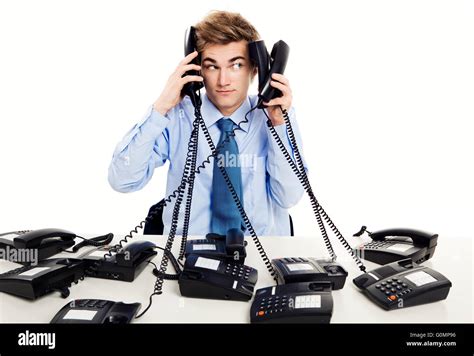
(273, 106)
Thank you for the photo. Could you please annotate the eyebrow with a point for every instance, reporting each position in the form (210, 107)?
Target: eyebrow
(212, 60)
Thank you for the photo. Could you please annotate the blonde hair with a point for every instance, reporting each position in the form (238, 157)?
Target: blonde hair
(222, 27)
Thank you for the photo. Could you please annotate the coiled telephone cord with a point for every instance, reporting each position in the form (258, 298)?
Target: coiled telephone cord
(303, 178)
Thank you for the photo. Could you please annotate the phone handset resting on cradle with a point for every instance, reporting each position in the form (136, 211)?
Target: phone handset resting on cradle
(44, 243)
(47, 242)
(390, 245)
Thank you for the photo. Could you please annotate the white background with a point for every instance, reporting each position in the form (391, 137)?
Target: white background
(383, 92)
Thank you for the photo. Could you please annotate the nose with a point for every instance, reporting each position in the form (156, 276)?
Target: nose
(224, 78)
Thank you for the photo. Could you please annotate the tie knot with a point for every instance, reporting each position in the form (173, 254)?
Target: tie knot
(225, 125)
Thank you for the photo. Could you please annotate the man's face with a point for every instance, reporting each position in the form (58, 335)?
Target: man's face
(227, 75)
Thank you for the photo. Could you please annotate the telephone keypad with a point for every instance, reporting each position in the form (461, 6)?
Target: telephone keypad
(273, 304)
(375, 245)
(238, 270)
(91, 303)
(17, 271)
(393, 288)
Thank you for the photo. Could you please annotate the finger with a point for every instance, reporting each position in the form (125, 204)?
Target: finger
(281, 78)
(187, 67)
(276, 101)
(191, 78)
(282, 87)
(189, 58)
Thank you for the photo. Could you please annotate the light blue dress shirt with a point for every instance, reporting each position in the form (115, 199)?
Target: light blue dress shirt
(269, 185)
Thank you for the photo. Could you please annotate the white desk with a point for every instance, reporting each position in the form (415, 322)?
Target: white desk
(454, 260)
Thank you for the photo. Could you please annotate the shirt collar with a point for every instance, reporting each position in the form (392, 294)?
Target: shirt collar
(211, 114)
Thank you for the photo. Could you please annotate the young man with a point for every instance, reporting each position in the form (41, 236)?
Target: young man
(256, 166)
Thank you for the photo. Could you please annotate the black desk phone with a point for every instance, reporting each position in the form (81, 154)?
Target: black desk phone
(297, 269)
(230, 247)
(392, 245)
(403, 284)
(54, 274)
(96, 311)
(306, 302)
(204, 277)
(48, 242)
(125, 265)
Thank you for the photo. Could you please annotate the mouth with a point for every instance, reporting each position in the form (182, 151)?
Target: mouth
(225, 92)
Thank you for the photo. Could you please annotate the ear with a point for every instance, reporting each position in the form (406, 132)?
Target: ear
(254, 71)
(253, 74)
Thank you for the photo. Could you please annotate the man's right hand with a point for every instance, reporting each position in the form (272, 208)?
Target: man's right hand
(171, 94)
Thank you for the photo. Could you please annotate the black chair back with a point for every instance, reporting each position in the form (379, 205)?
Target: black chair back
(155, 225)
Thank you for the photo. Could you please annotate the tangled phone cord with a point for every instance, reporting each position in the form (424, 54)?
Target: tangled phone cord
(161, 273)
(305, 184)
(192, 153)
(302, 176)
(235, 196)
(178, 195)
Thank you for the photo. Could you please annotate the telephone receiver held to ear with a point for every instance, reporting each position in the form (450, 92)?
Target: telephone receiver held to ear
(267, 64)
(192, 88)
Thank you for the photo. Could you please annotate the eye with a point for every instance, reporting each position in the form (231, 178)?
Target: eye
(211, 67)
(237, 65)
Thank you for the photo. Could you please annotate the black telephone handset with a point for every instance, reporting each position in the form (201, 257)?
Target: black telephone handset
(212, 278)
(135, 253)
(392, 245)
(305, 302)
(191, 88)
(50, 275)
(125, 265)
(267, 65)
(229, 247)
(48, 242)
(96, 311)
(403, 284)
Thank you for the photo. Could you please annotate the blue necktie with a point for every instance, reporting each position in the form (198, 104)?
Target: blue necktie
(225, 214)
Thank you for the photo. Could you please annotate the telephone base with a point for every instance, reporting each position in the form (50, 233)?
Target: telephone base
(96, 311)
(110, 269)
(403, 284)
(190, 287)
(297, 269)
(306, 302)
(383, 257)
(32, 282)
(201, 289)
